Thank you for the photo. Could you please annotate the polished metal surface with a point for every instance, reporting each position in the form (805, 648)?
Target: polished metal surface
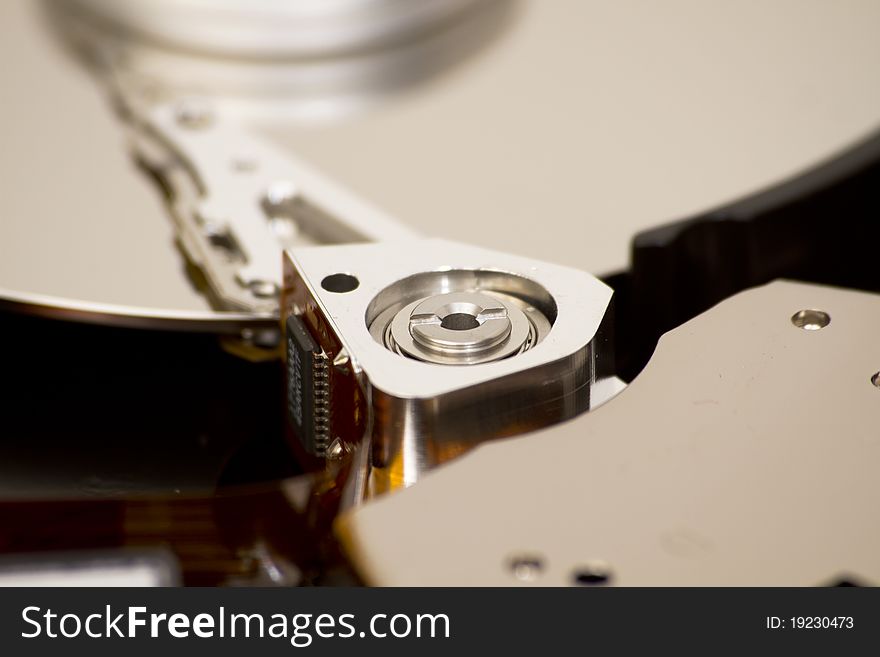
(553, 129)
(276, 28)
(424, 411)
(239, 324)
(290, 80)
(91, 568)
(80, 230)
(744, 454)
(85, 233)
(237, 201)
(810, 320)
(459, 328)
(587, 121)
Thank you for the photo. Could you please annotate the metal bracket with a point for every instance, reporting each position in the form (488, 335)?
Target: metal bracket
(420, 411)
(238, 201)
(744, 454)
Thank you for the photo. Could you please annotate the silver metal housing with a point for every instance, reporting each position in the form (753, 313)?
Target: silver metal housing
(237, 201)
(423, 413)
(744, 454)
(276, 28)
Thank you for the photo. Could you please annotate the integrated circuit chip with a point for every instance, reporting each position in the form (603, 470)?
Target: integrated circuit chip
(308, 388)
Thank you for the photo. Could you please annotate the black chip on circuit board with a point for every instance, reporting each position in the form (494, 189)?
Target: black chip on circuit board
(308, 389)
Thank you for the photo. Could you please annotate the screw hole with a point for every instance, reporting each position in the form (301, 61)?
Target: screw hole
(526, 568)
(811, 320)
(340, 283)
(459, 322)
(876, 379)
(596, 573)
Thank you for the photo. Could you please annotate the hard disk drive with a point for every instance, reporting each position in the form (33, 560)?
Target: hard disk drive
(440, 292)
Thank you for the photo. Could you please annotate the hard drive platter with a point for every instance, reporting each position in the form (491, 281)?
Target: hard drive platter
(469, 292)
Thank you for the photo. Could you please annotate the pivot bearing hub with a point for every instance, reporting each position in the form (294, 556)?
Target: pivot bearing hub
(460, 328)
(433, 347)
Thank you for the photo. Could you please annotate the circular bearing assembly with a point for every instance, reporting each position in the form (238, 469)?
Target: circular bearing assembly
(460, 328)
(461, 317)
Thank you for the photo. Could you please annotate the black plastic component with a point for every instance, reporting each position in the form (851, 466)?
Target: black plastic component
(821, 227)
(307, 387)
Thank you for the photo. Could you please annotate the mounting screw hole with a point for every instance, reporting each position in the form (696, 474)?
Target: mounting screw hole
(876, 379)
(340, 283)
(596, 573)
(811, 320)
(526, 568)
(459, 322)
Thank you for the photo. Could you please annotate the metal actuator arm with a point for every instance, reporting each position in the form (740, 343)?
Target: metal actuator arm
(415, 348)
(238, 201)
(427, 347)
